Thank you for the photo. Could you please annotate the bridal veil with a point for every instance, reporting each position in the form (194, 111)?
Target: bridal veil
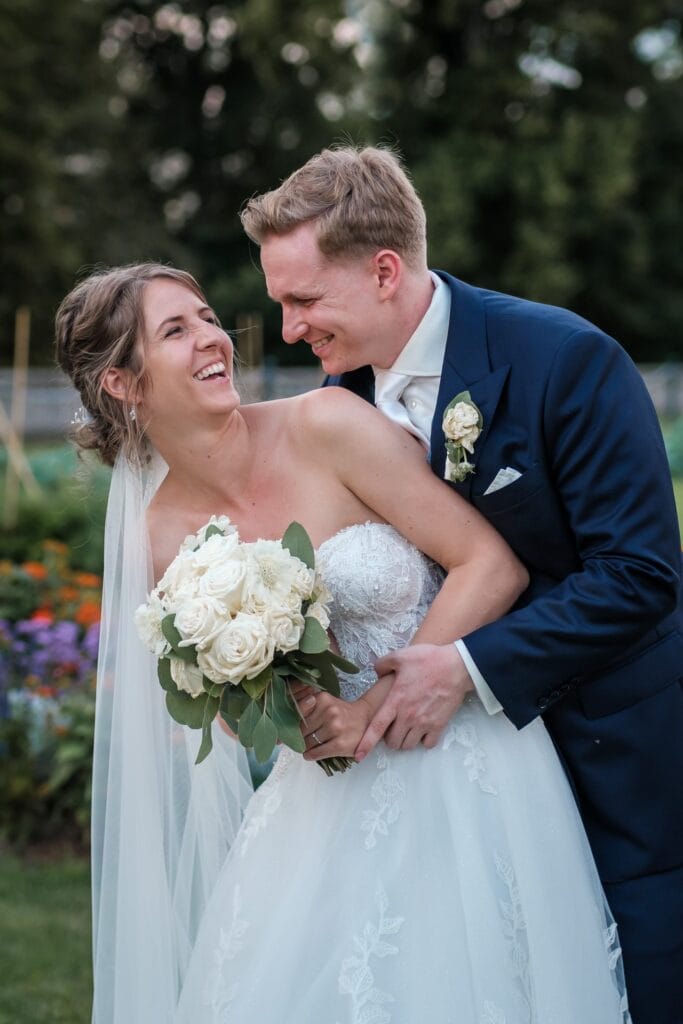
(161, 825)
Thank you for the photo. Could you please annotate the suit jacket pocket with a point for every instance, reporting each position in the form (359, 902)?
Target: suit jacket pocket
(507, 498)
(627, 683)
(528, 515)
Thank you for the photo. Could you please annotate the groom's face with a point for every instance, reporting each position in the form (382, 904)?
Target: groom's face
(338, 307)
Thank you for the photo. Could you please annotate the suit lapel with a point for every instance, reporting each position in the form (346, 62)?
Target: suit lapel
(466, 367)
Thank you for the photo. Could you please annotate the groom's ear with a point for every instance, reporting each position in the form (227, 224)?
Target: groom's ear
(387, 266)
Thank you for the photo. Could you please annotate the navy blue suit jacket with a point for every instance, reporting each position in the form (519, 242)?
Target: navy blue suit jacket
(596, 642)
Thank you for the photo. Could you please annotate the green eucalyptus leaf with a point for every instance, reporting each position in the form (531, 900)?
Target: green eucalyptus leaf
(165, 677)
(188, 654)
(265, 738)
(213, 689)
(234, 701)
(462, 396)
(303, 675)
(314, 638)
(298, 543)
(174, 638)
(231, 722)
(329, 679)
(211, 531)
(286, 719)
(186, 709)
(247, 723)
(210, 711)
(305, 662)
(342, 664)
(257, 686)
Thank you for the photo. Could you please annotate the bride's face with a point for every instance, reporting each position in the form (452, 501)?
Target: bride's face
(188, 358)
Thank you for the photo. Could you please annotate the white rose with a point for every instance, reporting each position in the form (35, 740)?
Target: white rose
(224, 581)
(461, 425)
(198, 620)
(318, 611)
(240, 649)
(148, 621)
(285, 630)
(193, 540)
(187, 677)
(190, 542)
(216, 549)
(180, 579)
(304, 581)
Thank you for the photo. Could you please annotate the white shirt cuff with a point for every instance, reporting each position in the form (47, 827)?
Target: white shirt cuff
(484, 691)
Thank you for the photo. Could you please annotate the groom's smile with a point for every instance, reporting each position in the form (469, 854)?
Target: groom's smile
(332, 304)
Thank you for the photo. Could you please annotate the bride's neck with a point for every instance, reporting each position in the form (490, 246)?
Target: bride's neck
(209, 461)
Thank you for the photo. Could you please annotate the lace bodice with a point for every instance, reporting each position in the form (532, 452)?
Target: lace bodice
(381, 588)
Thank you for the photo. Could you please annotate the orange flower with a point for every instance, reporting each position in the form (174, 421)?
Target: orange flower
(35, 569)
(42, 615)
(68, 593)
(87, 579)
(87, 613)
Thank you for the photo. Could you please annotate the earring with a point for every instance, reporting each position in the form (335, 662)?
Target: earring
(131, 413)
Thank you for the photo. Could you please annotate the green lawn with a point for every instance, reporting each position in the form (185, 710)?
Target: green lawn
(45, 939)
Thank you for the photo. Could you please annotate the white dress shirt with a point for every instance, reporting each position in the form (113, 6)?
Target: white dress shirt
(407, 393)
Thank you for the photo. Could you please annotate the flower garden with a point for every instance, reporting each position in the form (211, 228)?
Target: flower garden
(49, 623)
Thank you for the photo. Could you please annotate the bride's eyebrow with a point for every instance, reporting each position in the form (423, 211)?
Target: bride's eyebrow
(180, 316)
(168, 320)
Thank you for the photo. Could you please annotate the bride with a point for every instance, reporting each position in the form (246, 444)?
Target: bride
(452, 884)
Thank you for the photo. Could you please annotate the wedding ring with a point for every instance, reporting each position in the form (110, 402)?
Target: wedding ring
(317, 741)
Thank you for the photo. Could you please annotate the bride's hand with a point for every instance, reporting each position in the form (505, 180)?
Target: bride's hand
(331, 727)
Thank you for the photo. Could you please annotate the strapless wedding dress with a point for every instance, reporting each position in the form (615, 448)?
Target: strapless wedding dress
(451, 886)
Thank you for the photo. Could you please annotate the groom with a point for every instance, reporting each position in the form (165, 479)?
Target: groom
(568, 464)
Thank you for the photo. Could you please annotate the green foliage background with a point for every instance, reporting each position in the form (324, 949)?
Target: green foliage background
(545, 139)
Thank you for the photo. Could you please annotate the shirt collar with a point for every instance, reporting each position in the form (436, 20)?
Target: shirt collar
(423, 353)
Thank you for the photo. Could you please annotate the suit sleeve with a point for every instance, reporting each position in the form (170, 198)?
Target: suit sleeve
(606, 462)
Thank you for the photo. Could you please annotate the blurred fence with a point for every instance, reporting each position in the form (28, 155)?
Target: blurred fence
(52, 402)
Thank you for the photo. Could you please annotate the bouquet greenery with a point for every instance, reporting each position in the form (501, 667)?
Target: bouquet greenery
(231, 623)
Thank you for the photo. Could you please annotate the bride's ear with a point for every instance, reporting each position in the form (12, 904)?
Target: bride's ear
(116, 382)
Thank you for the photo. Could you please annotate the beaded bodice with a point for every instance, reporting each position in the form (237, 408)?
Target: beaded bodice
(381, 588)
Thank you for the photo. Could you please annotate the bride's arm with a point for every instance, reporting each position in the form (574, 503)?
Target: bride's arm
(388, 472)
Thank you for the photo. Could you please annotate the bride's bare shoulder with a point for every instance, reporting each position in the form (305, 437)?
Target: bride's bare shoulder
(327, 410)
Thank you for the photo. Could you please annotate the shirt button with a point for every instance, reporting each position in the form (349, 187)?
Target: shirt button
(413, 403)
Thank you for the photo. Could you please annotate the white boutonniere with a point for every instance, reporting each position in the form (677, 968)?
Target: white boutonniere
(462, 423)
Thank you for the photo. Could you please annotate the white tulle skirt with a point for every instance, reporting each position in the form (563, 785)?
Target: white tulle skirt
(453, 886)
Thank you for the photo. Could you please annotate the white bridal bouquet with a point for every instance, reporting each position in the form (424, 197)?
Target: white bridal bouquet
(231, 623)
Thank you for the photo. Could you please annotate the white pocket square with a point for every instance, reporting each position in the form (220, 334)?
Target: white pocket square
(503, 477)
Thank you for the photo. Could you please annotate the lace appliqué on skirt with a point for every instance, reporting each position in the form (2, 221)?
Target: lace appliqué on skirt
(356, 979)
(388, 792)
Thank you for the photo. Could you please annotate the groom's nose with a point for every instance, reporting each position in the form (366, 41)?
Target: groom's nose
(293, 326)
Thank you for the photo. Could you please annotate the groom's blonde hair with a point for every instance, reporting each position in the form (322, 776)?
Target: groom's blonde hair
(360, 200)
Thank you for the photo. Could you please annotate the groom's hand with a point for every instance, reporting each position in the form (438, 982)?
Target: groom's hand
(430, 684)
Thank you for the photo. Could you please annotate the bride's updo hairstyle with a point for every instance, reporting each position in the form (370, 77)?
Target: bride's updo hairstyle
(100, 326)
